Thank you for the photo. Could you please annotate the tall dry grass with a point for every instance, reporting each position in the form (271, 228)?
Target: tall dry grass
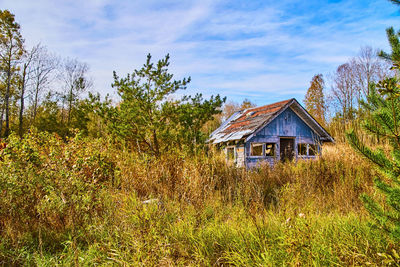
(333, 182)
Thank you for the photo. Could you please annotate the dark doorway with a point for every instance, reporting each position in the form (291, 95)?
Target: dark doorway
(287, 149)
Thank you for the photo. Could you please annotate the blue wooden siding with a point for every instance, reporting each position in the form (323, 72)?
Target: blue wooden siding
(287, 124)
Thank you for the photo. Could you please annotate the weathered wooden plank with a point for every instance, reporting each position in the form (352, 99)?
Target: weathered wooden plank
(287, 124)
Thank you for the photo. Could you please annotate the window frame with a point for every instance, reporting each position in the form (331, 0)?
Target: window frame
(315, 150)
(234, 153)
(308, 150)
(251, 150)
(263, 144)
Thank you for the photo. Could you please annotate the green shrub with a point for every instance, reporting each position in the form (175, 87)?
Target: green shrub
(51, 189)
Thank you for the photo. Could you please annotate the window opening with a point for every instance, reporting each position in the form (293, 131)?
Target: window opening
(302, 149)
(256, 149)
(312, 150)
(230, 152)
(270, 149)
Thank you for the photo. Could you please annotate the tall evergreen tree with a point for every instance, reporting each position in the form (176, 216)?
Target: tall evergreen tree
(314, 99)
(383, 103)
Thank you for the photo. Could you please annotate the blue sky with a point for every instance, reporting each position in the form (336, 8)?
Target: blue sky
(261, 50)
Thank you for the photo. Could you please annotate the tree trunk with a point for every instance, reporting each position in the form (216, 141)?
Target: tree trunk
(8, 87)
(21, 111)
(69, 107)
(35, 102)
(156, 145)
(1, 118)
(7, 102)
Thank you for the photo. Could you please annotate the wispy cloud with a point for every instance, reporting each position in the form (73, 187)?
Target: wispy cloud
(262, 50)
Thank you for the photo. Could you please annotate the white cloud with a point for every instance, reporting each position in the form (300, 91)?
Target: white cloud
(258, 52)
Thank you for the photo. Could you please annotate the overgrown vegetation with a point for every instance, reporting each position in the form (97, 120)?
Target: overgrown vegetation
(88, 182)
(80, 202)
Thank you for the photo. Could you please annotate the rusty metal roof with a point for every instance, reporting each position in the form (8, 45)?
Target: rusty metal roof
(246, 122)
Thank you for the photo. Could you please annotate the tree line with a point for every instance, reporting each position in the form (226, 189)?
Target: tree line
(337, 105)
(50, 93)
(37, 87)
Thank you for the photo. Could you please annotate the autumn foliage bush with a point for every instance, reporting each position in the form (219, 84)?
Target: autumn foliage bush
(52, 187)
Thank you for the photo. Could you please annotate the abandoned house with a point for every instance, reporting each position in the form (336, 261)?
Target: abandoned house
(279, 131)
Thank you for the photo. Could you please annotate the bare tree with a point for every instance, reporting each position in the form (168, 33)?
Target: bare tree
(344, 91)
(351, 81)
(368, 68)
(74, 75)
(25, 75)
(43, 69)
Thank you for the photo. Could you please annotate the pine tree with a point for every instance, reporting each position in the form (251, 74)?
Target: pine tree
(383, 103)
(150, 119)
(314, 99)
